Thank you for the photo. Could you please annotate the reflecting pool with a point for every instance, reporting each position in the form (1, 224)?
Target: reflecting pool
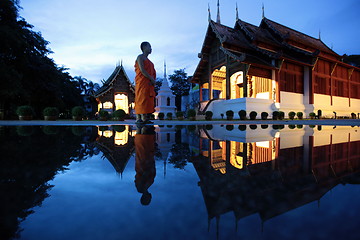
(180, 182)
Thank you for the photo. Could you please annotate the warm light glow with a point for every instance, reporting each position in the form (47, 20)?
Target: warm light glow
(236, 89)
(108, 105)
(265, 144)
(122, 102)
(121, 138)
(218, 82)
(218, 162)
(107, 133)
(237, 162)
(99, 106)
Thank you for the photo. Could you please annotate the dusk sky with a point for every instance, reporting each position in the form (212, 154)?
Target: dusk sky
(90, 37)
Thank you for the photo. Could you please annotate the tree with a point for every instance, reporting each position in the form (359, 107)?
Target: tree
(158, 84)
(28, 75)
(180, 86)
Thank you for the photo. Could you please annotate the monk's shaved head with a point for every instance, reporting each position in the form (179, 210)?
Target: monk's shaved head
(143, 45)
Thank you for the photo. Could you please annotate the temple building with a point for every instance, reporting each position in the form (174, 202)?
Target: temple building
(117, 92)
(272, 67)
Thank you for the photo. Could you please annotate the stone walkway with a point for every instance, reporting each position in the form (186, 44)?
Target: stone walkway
(332, 122)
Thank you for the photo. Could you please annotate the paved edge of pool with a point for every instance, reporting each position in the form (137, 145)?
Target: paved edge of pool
(337, 122)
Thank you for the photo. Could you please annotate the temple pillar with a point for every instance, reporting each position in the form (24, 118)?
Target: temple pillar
(228, 85)
(245, 80)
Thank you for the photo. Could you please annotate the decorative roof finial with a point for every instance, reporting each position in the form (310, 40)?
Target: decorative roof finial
(164, 69)
(121, 62)
(209, 18)
(263, 11)
(319, 34)
(237, 13)
(218, 13)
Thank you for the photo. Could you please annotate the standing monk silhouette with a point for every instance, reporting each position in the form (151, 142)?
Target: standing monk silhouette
(144, 85)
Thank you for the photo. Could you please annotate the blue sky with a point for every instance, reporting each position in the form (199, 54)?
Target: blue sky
(90, 37)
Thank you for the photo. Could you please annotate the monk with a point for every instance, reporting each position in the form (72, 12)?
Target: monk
(144, 85)
(144, 161)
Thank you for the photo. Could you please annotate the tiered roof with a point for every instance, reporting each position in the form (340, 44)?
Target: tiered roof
(261, 44)
(110, 81)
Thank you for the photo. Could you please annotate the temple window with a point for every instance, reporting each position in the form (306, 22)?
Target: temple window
(122, 102)
(107, 105)
(236, 85)
(218, 78)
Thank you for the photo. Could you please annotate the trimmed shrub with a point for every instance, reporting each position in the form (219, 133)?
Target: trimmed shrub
(312, 115)
(208, 115)
(25, 110)
(299, 115)
(291, 115)
(169, 115)
(161, 115)
(264, 126)
(252, 115)
(281, 115)
(264, 115)
(78, 111)
(275, 115)
(51, 111)
(119, 114)
(299, 126)
(292, 126)
(103, 114)
(179, 115)
(242, 114)
(191, 113)
(229, 114)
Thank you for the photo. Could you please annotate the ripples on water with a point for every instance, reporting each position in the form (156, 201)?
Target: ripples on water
(180, 182)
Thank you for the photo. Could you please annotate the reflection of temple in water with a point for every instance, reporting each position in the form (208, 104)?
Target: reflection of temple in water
(117, 145)
(270, 172)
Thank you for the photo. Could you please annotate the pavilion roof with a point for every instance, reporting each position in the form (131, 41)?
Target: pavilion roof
(260, 44)
(109, 82)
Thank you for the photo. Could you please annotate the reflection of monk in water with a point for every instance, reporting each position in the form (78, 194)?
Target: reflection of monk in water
(145, 162)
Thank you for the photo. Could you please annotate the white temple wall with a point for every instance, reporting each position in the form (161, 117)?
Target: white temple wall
(340, 105)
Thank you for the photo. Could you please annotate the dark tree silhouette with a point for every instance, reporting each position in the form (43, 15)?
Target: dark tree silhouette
(28, 75)
(180, 86)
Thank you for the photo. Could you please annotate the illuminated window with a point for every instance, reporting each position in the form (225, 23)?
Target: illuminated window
(108, 105)
(219, 83)
(122, 102)
(236, 85)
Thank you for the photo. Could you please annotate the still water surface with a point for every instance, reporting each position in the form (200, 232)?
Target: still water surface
(180, 182)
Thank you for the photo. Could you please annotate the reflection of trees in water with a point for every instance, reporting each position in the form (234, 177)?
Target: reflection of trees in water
(180, 155)
(30, 157)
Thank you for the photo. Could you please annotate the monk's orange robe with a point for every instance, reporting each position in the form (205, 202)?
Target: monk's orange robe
(144, 91)
(144, 161)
